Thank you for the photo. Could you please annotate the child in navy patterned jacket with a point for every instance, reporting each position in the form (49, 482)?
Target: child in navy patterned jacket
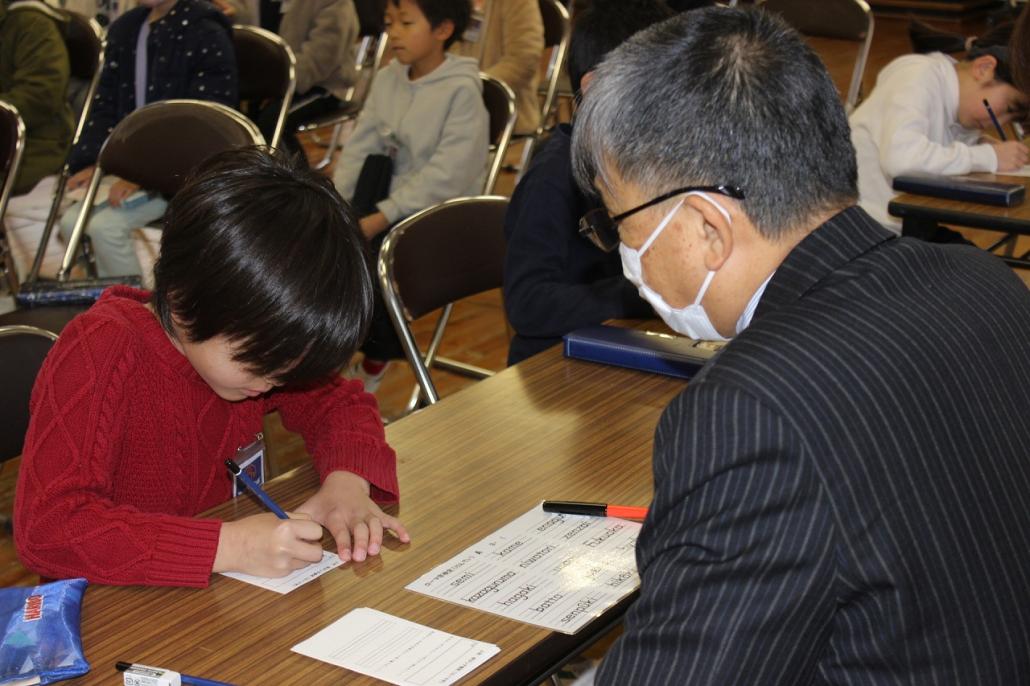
(161, 50)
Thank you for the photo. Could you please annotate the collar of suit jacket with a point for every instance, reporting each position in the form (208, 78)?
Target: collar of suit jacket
(840, 240)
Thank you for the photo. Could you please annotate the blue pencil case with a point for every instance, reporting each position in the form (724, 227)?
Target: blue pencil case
(41, 642)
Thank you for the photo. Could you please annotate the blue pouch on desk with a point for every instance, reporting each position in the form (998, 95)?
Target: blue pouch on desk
(646, 351)
(41, 633)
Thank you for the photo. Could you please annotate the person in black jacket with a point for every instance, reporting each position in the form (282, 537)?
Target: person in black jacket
(556, 281)
(188, 54)
(842, 495)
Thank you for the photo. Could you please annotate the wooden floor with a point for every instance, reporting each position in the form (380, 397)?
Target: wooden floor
(477, 331)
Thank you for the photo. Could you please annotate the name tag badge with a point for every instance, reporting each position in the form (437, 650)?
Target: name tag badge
(251, 460)
(474, 28)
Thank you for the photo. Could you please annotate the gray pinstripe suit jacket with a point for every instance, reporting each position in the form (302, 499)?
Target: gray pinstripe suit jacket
(843, 496)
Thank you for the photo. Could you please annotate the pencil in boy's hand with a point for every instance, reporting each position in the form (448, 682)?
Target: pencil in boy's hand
(240, 474)
(994, 119)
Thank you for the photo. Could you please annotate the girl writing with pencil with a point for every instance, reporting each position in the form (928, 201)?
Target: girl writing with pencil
(262, 291)
(930, 114)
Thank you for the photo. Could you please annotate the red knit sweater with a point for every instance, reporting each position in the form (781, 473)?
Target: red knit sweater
(127, 443)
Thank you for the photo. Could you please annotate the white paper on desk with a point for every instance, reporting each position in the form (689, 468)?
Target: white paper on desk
(552, 570)
(396, 650)
(293, 580)
(1025, 171)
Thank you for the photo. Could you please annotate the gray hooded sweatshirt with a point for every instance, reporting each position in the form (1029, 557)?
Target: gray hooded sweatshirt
(437, 129)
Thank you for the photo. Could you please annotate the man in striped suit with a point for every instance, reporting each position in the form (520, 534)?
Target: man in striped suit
(843, 495)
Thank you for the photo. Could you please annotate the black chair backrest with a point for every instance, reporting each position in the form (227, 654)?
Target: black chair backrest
(159, 145)
(262, 62)
(554, 23)
(10, 122)
(371, 16)
(51, 318)
(449, 252)
(22, 351)
(498, 107)
(85, 45)
(841, 19)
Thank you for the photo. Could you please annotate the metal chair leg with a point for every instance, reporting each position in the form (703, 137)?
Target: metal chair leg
(7, 265)
(74, 241)
(334, 142)
(48, 228)
(434, 346)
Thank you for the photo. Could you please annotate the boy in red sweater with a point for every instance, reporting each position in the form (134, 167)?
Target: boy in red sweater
(262, 291)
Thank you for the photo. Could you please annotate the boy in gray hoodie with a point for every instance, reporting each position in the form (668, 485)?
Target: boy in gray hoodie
(426, 111)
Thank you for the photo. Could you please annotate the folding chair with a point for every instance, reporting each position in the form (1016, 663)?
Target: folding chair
(147, 148)
(22, 351)
(557, 32)
(12, 145)
(430, 260)
(85, 42)
(834, 21)
(372, 41)
(267, 71)
(499, 99)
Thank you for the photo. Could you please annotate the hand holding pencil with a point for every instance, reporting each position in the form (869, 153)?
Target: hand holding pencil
(1012, 155)
(271, 544)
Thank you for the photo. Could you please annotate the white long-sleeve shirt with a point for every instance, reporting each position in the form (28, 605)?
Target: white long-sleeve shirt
(909, 124)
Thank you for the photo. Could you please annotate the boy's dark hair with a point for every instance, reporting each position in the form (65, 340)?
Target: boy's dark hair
(264, 251)
(605, 25)
(996, 44)
(438, 11)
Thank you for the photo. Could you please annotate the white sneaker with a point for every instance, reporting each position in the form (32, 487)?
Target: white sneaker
(370, 381)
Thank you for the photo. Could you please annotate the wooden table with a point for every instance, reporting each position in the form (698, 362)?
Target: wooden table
(547, 428)
(1012, 221)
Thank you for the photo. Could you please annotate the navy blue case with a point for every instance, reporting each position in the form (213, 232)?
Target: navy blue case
(646, 351)
(964, 188)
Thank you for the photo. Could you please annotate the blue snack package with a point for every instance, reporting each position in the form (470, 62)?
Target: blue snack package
(41, 633)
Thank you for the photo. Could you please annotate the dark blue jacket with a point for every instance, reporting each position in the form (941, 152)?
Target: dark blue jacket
(189, 55)
(556, 281)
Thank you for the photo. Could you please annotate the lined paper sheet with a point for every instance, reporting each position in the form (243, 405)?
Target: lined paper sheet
(296, 579)
(396, 650)
(552, 570)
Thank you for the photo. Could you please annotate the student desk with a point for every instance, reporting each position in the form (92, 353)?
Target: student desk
(1011, 221)
(547, 428)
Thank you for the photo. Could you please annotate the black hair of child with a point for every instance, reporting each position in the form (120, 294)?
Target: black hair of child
(262, 250)
(996, 44)
(459, 12)
(604, 25)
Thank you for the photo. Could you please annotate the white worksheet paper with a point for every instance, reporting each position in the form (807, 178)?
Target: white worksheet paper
(293, 580)
(556, 571)
(1025, 171)
(396, 650)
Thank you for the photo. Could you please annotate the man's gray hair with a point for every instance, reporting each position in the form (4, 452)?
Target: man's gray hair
(720, 96)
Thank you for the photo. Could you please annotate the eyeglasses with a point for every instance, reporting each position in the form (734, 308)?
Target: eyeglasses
(603, 229)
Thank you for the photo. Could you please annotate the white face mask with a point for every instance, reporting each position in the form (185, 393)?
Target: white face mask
(691, 320)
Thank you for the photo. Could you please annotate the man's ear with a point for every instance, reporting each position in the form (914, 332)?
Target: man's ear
(443, 30)
(584, 81)
(983, 68)
(716, 232)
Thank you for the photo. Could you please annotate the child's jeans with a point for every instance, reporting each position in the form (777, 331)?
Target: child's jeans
(110, 230)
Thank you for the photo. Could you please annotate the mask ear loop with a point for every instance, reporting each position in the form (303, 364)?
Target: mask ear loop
(704, 288)
(661, 227)
(711, 274)
(722, 210)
